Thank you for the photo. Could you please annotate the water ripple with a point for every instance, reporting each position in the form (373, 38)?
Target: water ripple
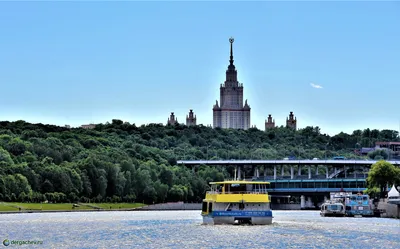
(183, 229)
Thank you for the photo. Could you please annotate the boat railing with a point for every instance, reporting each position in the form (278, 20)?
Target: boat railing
(238, 192)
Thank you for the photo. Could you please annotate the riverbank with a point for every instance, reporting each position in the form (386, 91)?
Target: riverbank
(17, 207)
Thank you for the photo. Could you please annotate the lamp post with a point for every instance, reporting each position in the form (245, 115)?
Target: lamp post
(326, 146)
(207, 150)
(355, 147)
(238, 148)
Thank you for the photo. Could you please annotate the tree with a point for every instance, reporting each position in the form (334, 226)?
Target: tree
(381, 174)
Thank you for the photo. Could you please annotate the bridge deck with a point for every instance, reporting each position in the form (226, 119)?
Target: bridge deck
(282, 162)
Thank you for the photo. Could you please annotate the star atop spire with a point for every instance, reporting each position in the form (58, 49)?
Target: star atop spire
(231, 40)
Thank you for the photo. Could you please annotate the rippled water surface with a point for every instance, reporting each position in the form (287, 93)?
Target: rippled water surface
(183, 229)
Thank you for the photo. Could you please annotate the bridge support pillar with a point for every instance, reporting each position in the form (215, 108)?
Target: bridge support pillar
(316, 171)
(309, 172)
(309, 202)
(326, 172)
(302, 201)
(256, 172)
(282, 170)
(291, 172)
(299, 170)
(345, 171)
(239, 173)
(274, 172)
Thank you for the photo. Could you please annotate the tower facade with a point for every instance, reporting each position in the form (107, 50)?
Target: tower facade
(230, 111)
(172, 119)
(269, 123)
(291, 122)
(191, 118)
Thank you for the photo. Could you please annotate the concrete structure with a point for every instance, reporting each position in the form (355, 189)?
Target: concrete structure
(191, 119)
(172, 119)
(338, 163)
(291, 122)
(230, 112)
(88, 126)
(270, 123)
(309, 190)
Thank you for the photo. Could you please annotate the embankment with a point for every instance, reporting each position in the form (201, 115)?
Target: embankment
(171, 206)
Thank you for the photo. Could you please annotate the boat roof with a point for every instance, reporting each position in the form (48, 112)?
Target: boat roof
(239, 182)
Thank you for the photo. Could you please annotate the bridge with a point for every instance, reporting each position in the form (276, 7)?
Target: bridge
(331, 168)
(282, 162)
(338, 175)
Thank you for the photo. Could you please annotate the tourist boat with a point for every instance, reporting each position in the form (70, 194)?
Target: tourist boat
(333, 208)
(336, 205)
(359, 205)
(237, 202)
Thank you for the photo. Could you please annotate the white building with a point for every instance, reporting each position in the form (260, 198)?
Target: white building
(231, 113)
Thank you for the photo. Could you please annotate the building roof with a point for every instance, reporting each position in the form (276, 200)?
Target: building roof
(366, 150)
(387, 143)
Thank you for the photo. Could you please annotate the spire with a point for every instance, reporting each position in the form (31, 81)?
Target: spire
(231, 74)
(231, 40)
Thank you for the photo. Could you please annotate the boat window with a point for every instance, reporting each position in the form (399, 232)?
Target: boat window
(204, 207)
(365, 198)
(210, 207)
(241, 206)
(238, 188)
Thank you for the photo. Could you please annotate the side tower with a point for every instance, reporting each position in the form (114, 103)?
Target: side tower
(172, 119)
(291, 122)
(230, 112)
(191, 119)
(269, 123)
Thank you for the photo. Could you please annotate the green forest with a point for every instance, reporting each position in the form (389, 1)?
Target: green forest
(121, 162)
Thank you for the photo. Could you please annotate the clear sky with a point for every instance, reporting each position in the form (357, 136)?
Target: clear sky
(78, 63)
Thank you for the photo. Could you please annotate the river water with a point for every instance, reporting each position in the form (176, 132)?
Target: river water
(183, 229)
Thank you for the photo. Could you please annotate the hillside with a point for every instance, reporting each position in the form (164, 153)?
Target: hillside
(121, 162)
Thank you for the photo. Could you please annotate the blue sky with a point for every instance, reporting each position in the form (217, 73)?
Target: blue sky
(77, 63)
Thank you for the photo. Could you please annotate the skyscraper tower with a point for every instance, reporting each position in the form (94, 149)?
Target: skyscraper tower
(291, 122)
(270, 123)
(172, 119)
(230, 112)
(191, 118)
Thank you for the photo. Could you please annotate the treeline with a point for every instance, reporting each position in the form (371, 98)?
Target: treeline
(122, 162)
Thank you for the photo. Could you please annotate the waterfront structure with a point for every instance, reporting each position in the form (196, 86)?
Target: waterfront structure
(88, 126)
(237, 202)
(172, 119)
(230, 111)
(191, 118)
(270, 123)
(287, 179)
(291, 122)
